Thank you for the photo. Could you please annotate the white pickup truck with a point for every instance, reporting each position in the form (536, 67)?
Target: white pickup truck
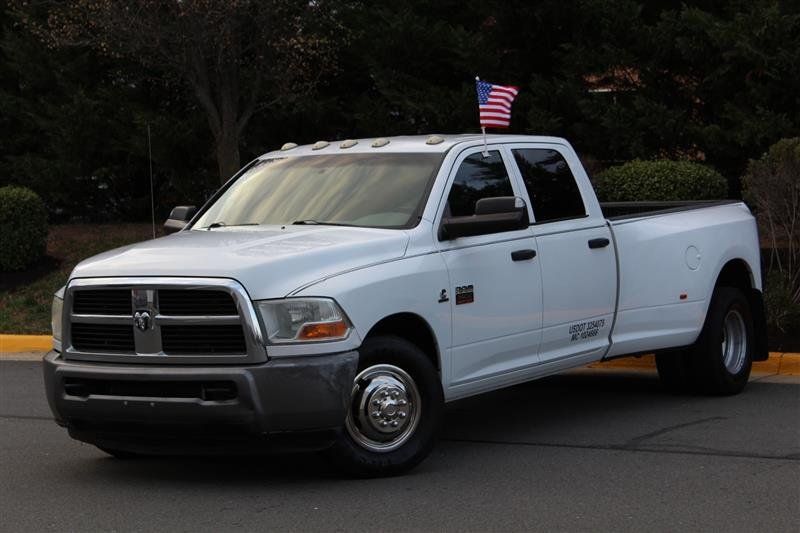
(335, 296)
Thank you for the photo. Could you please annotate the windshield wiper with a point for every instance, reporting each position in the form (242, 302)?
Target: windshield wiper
(223, 224)
(310, 221)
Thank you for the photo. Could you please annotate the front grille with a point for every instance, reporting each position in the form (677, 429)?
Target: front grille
(102, 302)
(216, 391)
(103, 337)
(161, 320)
(212, 340)
(177, 302)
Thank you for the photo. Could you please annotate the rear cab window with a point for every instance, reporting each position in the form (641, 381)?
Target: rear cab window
(553, 192)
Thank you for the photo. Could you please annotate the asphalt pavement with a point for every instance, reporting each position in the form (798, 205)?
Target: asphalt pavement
(591, 450)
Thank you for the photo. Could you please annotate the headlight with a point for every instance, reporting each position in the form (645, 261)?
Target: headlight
(303, 320)
(55, 314)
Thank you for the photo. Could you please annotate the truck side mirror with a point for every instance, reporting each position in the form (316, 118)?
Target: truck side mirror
(499, 204)
(492, 215)
(178, 218)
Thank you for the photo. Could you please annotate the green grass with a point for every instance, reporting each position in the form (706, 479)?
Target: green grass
(26, 297)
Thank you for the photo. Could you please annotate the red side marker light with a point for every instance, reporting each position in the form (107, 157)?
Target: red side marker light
(684, 296)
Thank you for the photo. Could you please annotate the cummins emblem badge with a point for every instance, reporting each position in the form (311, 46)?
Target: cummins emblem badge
(142, 320)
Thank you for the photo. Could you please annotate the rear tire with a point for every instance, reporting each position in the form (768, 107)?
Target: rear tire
(395, 410)
(719, 362)
(722, 357)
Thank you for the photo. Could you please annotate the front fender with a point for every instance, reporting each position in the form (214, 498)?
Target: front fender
(408, 285)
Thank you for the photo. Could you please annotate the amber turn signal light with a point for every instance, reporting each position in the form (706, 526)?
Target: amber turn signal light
(323, 330)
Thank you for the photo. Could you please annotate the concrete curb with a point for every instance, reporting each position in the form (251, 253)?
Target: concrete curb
(780, 363)
(30, 347)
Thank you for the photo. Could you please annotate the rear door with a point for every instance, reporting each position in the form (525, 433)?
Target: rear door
(496, 300)
(575, 251)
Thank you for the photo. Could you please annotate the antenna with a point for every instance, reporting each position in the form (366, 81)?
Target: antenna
(152, 198)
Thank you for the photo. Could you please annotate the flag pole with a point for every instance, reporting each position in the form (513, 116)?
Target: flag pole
(483, 129)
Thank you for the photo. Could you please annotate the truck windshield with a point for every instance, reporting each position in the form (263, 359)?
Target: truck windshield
(372, 190)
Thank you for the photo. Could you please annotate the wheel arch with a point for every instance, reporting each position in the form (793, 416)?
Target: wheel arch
(736, 273)
(413, 328)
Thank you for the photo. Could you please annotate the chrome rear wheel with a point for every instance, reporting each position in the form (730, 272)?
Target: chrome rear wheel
(734, 341)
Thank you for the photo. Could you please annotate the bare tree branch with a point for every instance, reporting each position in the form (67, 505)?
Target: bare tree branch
(222, 50)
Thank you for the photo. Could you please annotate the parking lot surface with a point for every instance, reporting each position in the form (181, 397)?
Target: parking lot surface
(591, 450)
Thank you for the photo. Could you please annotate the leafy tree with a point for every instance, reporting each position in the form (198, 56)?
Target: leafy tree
(736, 72)
(699, 79)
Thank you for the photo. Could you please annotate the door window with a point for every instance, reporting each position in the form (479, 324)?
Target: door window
(478, 177)
(552, 188)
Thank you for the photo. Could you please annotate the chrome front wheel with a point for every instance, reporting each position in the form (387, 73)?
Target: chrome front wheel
(395, 409)
(385, 408)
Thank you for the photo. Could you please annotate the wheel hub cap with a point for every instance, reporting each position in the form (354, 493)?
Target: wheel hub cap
(385, 408)
(388, 405)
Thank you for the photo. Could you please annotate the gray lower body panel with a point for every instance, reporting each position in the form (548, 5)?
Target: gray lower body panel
(294, 403)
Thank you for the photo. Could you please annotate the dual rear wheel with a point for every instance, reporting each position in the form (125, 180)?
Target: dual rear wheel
(719, 362)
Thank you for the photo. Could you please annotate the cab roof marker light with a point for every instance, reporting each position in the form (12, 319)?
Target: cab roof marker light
(319, 145)
(380, 142)
(288, 146)
(434, 139)
(349, 143)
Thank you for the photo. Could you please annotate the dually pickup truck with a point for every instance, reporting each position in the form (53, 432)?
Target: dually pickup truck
(334, 296)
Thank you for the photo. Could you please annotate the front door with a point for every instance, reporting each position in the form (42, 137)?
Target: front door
(496, 299)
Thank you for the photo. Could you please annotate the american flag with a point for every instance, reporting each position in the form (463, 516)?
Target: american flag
(494, 104)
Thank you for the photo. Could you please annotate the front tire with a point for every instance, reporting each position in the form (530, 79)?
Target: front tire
(121, 455)
(395, 410)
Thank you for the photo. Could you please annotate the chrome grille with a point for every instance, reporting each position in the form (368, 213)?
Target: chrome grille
(161, 320)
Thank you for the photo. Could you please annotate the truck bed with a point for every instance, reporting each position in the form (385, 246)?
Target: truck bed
(669, 256)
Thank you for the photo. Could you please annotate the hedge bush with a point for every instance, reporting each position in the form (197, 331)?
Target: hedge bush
(661, 181)
(23, 219)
